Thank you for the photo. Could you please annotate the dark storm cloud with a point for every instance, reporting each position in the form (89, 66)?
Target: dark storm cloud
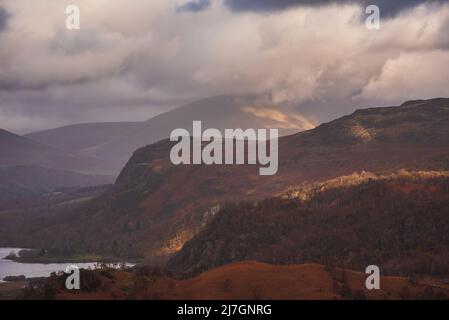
(388, 7)
(194, 6)
(4, 16)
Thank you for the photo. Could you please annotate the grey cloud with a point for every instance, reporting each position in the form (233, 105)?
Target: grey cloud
(442, 38)
(388, 7)
(4, 16)
(79, 42)
(127, 66)
(194, 6)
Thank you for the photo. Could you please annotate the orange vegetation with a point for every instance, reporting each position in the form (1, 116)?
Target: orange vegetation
(254, 280)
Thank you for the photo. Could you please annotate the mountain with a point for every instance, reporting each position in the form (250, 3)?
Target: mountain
(77, 137)
(21, 151)
(115, 142)
(154, 208)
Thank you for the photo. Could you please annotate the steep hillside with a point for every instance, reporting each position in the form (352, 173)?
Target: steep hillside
(397, 221)
(155, 207)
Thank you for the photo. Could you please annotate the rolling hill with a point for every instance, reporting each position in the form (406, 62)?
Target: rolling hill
(17, 150)
(21, 151)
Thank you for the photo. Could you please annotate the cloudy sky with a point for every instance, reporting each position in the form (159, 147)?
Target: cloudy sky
(133, 59)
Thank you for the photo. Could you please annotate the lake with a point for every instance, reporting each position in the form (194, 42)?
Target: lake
(32, 270)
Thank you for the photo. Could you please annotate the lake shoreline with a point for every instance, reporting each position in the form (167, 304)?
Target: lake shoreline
(42, 265)
(59, 259)
(33, 256)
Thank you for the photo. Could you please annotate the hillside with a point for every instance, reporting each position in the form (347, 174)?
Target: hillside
(247, 280)
(421, 122)
(398, 221)
(154, 207)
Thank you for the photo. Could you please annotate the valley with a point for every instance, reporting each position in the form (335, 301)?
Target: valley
(368, 188)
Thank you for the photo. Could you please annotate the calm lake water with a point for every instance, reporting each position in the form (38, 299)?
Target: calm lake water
(31, 270)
